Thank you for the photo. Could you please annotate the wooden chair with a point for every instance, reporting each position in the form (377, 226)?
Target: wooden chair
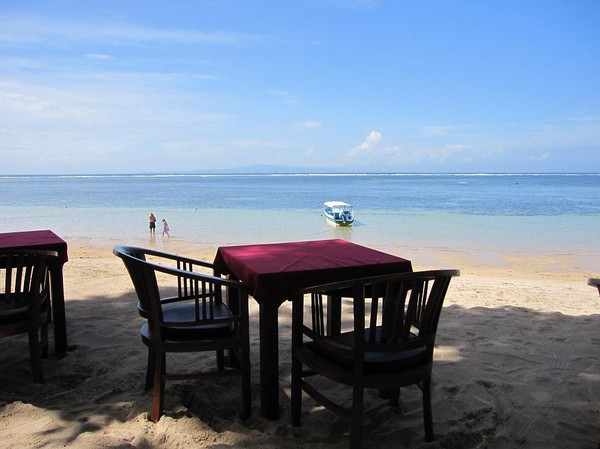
(25, 300)
(189, 311)
(387, 344)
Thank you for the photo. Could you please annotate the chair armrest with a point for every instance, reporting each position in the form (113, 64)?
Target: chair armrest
(127, 251)
(136, 255)
(193, 275)
(177, 258)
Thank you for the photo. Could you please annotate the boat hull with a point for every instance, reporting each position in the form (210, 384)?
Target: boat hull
(335, 222)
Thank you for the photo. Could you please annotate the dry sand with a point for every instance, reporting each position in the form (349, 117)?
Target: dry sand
(517, 365)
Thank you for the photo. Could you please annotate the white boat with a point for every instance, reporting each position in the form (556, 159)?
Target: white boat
(339, 213)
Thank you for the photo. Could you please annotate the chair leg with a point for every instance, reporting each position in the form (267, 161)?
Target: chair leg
(246, 386)
(44, 341)
(357, 417)
(395, 397)
(150, 370)
(393, 394)
(427, 415)
(233, 359)
(159, 386)
(34, 354)
(220, 360)
(296, 393)
(49, 305)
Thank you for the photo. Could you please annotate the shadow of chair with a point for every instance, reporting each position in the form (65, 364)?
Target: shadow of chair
(25, 300)
(387, 343)
(188, 311)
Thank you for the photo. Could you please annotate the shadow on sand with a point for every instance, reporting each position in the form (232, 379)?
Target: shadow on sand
(485, 357)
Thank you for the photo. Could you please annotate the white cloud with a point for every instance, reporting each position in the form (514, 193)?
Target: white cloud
(308, 124)
(19, 29)
(453, 151)
(98, 123)
(141, 78)
(113, 99)
(542, 157)
(42, 107)
(403, 156)
(368, 146)
(285, 97)
(99, 56)
(434, 130)
(441, 130)
(16, 63)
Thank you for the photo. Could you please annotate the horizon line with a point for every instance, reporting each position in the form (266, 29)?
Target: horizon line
(233, 172)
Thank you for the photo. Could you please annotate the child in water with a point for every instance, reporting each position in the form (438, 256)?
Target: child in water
(165, 228)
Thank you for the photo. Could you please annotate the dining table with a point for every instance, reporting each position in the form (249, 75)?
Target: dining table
(273, 271)
(46, 240)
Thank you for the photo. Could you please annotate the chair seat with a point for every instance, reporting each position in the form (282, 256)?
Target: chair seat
(332, 347)
(18, 311)
(14, 315)
(186, 313)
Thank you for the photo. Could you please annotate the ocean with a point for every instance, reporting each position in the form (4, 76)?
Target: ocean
(525, 214)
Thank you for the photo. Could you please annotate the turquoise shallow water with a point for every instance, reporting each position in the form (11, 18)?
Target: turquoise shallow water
(482, 214)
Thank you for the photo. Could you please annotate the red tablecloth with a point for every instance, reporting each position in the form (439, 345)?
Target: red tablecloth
(45, 239)
(275, 270)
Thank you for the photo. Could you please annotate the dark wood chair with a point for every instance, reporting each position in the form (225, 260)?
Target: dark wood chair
(387, 344)
(188, 311)
(25, 300)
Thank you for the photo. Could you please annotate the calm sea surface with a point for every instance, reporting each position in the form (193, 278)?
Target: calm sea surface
(532, 214)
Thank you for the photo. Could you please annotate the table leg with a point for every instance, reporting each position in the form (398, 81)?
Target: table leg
(269, 361)
(334, 314)
(58, 308)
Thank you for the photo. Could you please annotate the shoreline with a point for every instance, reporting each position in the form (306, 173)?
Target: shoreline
(477, 262)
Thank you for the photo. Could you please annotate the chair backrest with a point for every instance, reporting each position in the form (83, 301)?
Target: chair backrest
(24, 280)
(391, 313)
(144, 281)
(187, 284)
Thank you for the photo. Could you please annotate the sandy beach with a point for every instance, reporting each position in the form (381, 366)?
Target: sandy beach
(517, 365)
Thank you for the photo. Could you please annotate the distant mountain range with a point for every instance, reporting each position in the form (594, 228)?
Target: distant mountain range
(261, 169)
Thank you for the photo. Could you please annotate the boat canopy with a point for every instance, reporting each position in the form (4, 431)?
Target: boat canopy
(337, 204)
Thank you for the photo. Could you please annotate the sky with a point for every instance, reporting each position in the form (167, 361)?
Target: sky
(126, 86)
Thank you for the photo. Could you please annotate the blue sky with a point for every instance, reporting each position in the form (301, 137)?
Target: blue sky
(119, 86)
